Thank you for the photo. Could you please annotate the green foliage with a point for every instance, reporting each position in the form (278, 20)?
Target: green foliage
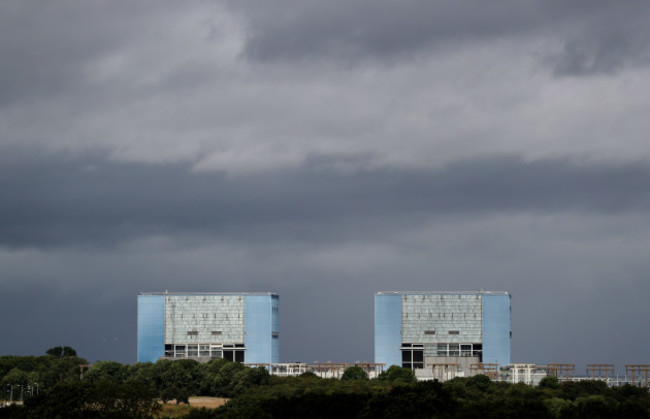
(427, 399)
(61, 351)
(549, 382)
(107, 370)
(399, 374)
(16, 377)
(556, 406)
(39, 372)
(354, 373)
(181, 395)
(106, 399)
(110, 389)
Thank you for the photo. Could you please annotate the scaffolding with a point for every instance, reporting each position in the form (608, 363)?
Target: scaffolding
(598, 370)
(639, 370)
(522, 373)
(557, 370)
(491, 370)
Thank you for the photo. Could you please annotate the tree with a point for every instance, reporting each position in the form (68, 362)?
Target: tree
(106, 370)
(61, 351)
(395, 373)
(181, 395)
(106, 399)
(549, 382)
(16, 377)
(354, 373)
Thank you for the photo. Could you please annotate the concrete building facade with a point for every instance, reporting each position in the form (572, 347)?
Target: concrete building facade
(242, 327)
(442, 334)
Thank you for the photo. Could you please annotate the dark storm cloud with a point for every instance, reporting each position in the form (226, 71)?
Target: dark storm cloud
(596, 36)
(360, 29)
(55, 200)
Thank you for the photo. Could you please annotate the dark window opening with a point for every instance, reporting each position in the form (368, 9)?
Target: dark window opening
(413, 358)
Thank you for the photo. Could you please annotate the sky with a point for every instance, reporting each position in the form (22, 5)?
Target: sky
(325, 151)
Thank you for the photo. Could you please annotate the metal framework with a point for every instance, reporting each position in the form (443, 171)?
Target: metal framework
(491, 370)
(557, 370)
(597, 370)
(639, 369)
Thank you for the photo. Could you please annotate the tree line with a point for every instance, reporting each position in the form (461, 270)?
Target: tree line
(112, 390)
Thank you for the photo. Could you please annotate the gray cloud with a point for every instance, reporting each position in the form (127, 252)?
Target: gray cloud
(59, 200)
(596, 37)
(368, 29)
(325, 151)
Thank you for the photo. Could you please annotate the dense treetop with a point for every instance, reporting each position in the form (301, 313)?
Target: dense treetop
(109, 389)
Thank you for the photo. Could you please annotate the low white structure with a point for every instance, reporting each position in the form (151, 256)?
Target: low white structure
(324, 370)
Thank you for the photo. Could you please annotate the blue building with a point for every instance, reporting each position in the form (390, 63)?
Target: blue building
(242, 327)
(420, 330)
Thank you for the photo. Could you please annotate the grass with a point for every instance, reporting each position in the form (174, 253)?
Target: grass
(173, 410)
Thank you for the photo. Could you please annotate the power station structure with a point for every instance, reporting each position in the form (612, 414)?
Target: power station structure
(242, 327)
(443, 335)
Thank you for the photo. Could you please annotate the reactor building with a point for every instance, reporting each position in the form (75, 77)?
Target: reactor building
(242, 327)
(431, 332)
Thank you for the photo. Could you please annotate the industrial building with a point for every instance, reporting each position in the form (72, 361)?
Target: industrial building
(443, 334)
(242, 327)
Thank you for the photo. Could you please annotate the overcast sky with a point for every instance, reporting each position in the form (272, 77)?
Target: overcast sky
(326, 150)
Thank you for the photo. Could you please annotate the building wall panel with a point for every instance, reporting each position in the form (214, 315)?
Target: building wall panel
(496, 329)
(191, 319)
(151, 328)
(429, 318)
(259, 329)
(388, 328)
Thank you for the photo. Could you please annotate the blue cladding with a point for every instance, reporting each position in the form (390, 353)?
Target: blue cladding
(275, 327)
(496, 329)
(261, 318)
(388, 329)
(151, 327)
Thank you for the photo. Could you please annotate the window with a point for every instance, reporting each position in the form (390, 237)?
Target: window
(192, 333)
(429, 332)
(412, 358)
(216, 333)
(465, 350)
(453, 349)
(236, 355)
(441, 349)
(179, 351)
(454, 332)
